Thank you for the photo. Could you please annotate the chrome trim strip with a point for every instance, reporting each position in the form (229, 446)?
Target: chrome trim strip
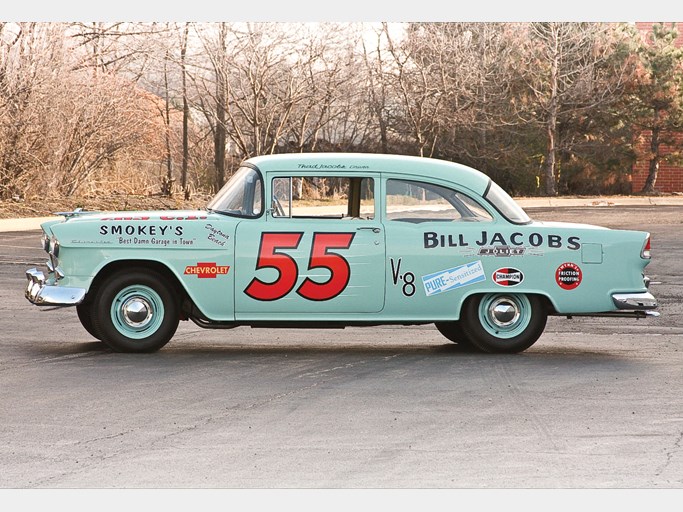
(635, 301)
(616, 314)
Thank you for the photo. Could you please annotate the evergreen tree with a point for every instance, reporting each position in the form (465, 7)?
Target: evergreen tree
(658, 98)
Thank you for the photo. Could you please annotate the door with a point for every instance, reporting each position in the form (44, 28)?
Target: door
(317, 255)
(432, 252)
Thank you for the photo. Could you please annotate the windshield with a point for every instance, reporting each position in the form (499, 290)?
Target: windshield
(506, 205)
(241, 196)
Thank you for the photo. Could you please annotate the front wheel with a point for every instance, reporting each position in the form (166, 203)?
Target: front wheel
(503, 323)
(136, 311)
(85, 315)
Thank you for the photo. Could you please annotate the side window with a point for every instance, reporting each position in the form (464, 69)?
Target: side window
(413, 201)
(323, 197)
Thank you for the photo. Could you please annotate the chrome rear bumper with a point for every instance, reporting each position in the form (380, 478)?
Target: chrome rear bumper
(634, 301)
(40, 293)
(628, 305)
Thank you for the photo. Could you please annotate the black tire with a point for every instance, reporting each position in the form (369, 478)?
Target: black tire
(136, 311)
(453, 332)
(503, 322)
(85, 314)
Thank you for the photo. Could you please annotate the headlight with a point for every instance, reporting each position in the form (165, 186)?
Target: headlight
(54, 247)
(45, 242)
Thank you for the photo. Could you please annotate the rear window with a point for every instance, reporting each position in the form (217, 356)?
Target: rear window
(507, 206)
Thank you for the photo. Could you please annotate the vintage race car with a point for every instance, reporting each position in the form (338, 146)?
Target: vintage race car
(333, 240)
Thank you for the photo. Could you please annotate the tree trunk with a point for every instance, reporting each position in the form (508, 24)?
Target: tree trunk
(551, 127)
(220, 135)
(219, 142)
(384, 140)
(186, 114)
(649, 187)
(550, 159)
(167, 187)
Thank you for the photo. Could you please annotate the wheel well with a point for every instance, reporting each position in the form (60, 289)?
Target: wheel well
(547, 303)
(129, 265)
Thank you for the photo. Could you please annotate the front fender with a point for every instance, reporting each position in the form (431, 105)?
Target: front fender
(197, 250)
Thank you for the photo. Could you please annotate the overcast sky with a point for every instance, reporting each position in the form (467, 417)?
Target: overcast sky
(343, 10)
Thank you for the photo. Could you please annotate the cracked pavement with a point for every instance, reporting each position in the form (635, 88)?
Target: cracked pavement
(595, 403)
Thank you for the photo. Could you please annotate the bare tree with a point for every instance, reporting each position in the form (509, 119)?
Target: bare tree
(100, 119)
(29, 55)
(60, 124)
(115, 47)
(419, 86)
(572, 67)
(80, 100)
(211, 81)
(184, 36)
(167, 183)
(377, 84)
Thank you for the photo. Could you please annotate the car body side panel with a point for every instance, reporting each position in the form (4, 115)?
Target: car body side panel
(399, 271)
(197, 248)
(352, 284)
(448, 262)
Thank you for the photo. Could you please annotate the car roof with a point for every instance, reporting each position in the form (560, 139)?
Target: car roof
(411, 166)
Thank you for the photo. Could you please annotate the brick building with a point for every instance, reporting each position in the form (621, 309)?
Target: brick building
(670, 177)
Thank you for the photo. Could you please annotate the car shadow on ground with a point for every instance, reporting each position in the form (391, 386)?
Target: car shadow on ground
(197, 351)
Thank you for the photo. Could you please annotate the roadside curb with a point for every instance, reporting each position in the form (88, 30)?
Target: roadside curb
(33, 223)
(27, 224)
(597, 201)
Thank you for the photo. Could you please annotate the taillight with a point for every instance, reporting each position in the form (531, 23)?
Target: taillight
(645, 253)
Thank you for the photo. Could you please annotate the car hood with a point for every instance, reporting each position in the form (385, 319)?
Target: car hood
(80, 217)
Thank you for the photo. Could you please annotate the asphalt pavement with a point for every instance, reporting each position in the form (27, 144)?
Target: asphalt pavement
(594, 403)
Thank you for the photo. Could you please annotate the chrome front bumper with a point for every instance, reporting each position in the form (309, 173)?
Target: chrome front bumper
(40, 293)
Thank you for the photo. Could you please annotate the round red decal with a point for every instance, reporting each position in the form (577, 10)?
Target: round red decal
(568, 276)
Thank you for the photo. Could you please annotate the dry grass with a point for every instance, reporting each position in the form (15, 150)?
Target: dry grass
(115, 202)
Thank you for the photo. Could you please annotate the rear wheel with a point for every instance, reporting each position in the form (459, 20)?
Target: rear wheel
(503, 323)
(453, 332)
(137, 311)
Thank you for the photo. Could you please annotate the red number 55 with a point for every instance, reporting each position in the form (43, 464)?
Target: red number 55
(270, 256)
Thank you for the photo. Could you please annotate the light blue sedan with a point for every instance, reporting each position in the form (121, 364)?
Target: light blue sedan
(330, 240)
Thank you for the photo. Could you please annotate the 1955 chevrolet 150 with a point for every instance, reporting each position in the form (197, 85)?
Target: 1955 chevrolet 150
(333, 240)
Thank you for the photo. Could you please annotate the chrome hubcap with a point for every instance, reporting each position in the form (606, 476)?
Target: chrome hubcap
(503, 312)
(137, 312)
